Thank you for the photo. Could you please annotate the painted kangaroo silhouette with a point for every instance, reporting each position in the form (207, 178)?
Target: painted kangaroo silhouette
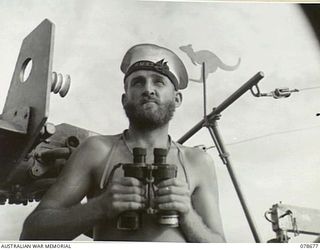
(211, 60)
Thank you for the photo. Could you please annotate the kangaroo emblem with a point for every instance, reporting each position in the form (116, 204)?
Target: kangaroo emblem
(211, 60)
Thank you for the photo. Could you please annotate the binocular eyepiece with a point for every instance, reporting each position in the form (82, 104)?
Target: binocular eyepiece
(150, 175)
(153, 173)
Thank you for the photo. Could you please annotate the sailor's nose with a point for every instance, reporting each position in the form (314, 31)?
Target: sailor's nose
(149, 88)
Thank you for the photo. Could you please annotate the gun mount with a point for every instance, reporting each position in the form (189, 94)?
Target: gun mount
(33, 152)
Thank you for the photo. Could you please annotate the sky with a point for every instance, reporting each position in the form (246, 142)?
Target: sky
(273, 143)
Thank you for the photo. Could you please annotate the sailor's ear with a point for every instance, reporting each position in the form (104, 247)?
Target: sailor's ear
(178, 98)
(124, 99)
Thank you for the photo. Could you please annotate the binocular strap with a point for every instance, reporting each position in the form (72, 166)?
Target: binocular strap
(182, 162)
(108, 169)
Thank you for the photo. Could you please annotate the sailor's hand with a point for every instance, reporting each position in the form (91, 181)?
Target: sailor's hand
(173, 194)
(123, 194)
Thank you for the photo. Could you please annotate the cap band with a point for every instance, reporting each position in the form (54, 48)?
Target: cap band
(160, 67)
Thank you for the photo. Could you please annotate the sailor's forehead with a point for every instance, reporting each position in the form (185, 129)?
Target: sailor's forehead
(147, 73)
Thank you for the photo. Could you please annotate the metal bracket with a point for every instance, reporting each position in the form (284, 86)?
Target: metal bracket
(15, 120)
(276, 94)
(293, 219)
(27, 104)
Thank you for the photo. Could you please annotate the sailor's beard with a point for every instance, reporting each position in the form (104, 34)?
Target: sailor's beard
(149, 118)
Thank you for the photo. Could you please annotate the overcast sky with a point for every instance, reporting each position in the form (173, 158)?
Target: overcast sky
(92, 36)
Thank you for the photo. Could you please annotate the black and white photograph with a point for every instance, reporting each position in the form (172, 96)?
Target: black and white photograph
(160, 121)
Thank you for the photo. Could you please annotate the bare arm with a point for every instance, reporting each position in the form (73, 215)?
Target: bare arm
(200, 219)
(60, 216)
(61, 223)
(203, 222)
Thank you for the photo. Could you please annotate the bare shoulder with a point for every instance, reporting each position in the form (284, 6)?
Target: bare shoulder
(96, 148)
(100, 142)
(196, 157)
(89, 156)
(199, 164)
(201, 168)
(76, 178)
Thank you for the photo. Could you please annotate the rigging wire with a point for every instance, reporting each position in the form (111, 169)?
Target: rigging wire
(279, 92)
(308, 88)
(267, 135)
(271, 134)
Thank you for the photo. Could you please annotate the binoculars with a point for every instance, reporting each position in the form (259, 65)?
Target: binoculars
(150, 175)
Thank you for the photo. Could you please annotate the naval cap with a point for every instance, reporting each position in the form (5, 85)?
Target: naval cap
(156, 58)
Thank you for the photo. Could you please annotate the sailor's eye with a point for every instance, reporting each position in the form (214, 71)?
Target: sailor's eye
(137, 81)
(159, 82)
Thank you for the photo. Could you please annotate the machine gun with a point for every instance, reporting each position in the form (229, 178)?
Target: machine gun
(33, 152)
